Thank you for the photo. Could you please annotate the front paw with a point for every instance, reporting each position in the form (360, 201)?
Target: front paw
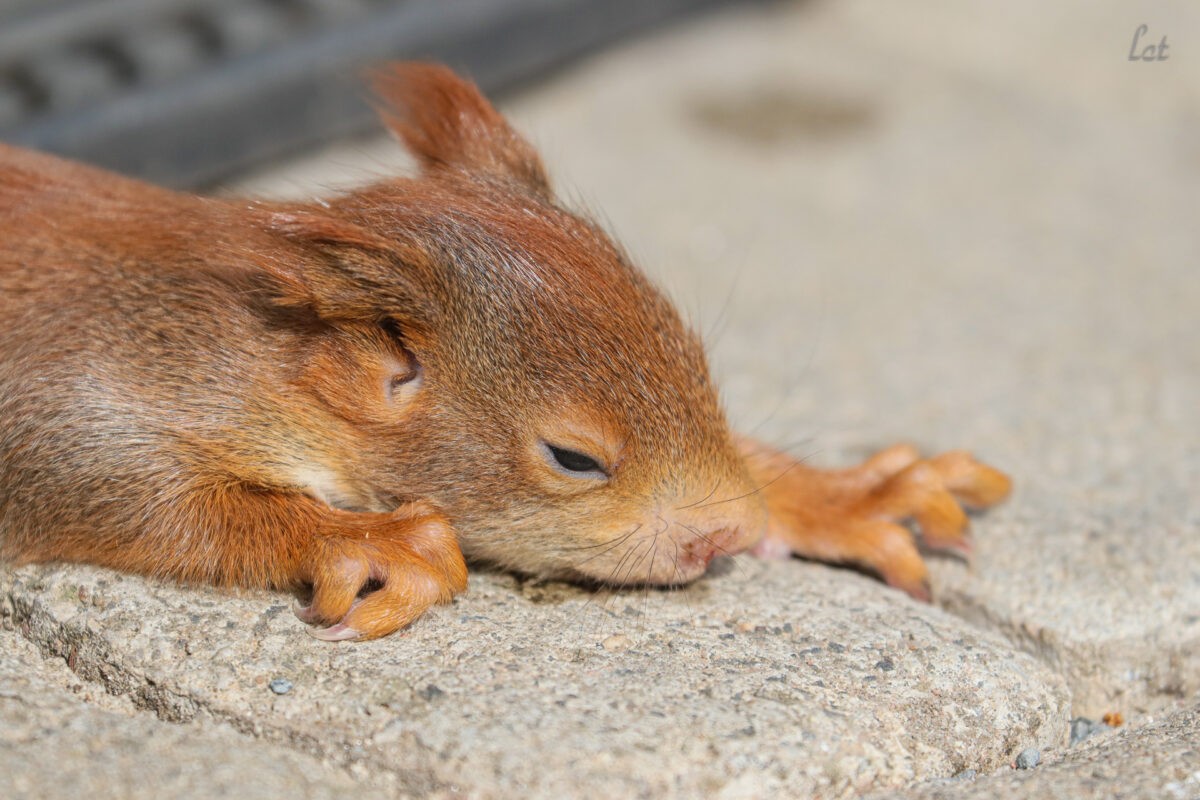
(372, 574)
(856, 515)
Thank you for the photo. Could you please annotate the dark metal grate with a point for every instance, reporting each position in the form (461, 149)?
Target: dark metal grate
(186, 91)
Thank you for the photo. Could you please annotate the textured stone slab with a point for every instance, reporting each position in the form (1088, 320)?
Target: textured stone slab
(771, 677)
(62, 739)
(1158, 761)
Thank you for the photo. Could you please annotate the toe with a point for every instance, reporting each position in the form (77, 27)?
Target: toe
(891, 460)
(336, 583)
(434, 541)
(919, 493)
(888, 550)
(410, 589)
(975, 484)
(943, 523)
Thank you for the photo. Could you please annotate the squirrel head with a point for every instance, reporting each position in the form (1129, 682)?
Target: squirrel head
(496, 353)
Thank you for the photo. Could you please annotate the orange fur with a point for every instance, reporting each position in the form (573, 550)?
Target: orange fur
(852, 516)
(349, 395)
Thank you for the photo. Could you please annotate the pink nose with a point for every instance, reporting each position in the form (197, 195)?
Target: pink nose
(722, 542)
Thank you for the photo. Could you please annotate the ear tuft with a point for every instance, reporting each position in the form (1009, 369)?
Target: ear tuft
(446, 122)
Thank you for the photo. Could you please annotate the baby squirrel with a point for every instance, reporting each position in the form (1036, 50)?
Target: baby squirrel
(347, 396)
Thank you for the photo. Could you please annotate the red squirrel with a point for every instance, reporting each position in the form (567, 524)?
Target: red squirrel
(346, 397)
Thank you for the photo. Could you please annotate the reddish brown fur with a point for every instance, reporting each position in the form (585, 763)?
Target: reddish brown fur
(285, 395)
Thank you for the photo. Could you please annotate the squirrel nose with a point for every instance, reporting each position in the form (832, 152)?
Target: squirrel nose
(724, 541)
(732, 530)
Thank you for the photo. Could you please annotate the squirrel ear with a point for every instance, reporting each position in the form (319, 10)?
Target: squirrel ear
(445, 121)
(342, 271)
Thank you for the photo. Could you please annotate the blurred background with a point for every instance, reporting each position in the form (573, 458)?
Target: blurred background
(186, 91)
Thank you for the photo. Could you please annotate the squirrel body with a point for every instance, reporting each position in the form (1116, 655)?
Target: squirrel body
(344, 397)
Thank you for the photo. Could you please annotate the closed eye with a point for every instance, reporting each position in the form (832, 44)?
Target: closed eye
(575, 462)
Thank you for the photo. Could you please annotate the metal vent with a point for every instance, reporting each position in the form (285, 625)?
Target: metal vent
(184, 92)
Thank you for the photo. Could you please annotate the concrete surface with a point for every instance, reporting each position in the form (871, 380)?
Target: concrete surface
(64, 736)
(776, 677)
(1161, 759)
(957, 224)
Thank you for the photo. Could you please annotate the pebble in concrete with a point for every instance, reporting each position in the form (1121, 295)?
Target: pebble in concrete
(1157, 761)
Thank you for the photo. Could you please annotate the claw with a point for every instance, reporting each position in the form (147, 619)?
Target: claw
(962, 548)
(304, 613)
(919, 590)
(334, 633)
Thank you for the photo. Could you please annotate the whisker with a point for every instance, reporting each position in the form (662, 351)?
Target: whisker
(717, 328)
(629, 573)
(646, 590)
(653, 556)
(696, 532)
(791, 444)
(633, 564)
(611, 579)
(681, 587)
(798, 462)
(603, 589)
(701, 500)
(809, 358)
(617, 567)
(597, 590)
(614, 545)
(620, 583)
(619, 536)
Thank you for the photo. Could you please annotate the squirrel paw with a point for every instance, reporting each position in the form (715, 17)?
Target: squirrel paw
(372, 574)
(854, 515)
